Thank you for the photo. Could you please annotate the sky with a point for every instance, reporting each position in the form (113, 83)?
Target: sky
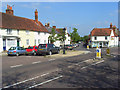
(84, 16)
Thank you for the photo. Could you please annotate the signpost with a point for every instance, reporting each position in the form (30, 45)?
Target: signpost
(98, 53)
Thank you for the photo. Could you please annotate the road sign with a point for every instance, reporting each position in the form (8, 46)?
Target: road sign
(98, 53)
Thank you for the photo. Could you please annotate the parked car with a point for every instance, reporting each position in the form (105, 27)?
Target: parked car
(47, 49)
(68, 47)
(16, 51)
(74, 45)
(31, 50)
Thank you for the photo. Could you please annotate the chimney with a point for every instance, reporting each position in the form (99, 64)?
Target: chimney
(9, 10)
(110, 25)
(54, 27)
(36, 16)
(48, 24)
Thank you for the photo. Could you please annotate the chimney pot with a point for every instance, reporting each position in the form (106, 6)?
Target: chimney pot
(9, 10)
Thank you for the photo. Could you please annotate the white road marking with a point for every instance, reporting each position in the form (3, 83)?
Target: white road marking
(92, 64)
(16, 66)
(25, 80)
(45, 82)
(51, 60)
(36, 62)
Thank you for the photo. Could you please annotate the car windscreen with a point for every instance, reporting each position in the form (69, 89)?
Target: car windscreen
(42, 46)
(30, 47)
(12, 48)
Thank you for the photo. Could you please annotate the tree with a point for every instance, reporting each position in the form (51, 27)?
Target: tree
(61, 36)
(52, 37)
(75, 37)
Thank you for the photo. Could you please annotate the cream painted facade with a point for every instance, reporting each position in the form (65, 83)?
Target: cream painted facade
(26, 38)
(23, 38)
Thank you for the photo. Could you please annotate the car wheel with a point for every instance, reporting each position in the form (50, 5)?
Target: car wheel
(50, 53)
(17, 54)
(8, 54)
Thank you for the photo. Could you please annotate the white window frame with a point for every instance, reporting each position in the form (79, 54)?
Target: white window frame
(27, 41)
(38, 41)
(9, 31)
(27, 32)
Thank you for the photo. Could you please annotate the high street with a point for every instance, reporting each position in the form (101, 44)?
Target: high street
(46, 72)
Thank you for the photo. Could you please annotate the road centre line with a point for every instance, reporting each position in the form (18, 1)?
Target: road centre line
(16, 66)
(45, 82)
(36, 62)
(26, 80)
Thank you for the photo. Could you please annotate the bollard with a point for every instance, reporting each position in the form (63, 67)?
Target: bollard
(87, 46)
(108, 51)
(98, 53)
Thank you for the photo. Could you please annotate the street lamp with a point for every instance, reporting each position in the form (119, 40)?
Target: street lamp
(64, 40)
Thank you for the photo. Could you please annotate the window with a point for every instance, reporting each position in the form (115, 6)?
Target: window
(27, 42)
(95, 38)
(105, 37)
(18, 31)
(9, 31)
(27, 32)
(35, 41)
(38, 33)
(38, 41)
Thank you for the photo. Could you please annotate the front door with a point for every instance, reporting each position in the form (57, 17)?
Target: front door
(18, 43)
(4, 44)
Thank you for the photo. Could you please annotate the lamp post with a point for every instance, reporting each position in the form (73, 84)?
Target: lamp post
(64, 40)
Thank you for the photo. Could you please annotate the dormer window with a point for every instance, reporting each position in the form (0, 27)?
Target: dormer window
(27, 31)
(9, 31)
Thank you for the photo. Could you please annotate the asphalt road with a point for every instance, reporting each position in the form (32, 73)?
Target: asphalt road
(80, 71)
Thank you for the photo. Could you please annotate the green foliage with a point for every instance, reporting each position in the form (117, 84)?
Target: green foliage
(52, 37)
(75, 37)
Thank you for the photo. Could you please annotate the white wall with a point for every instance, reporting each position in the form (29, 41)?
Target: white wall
(42, 36)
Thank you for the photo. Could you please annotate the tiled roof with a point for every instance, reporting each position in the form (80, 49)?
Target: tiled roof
(102, 32)
(15, 22)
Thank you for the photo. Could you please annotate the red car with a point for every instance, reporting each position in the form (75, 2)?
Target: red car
(31, 50)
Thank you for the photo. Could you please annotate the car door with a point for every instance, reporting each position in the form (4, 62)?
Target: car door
(54, 48)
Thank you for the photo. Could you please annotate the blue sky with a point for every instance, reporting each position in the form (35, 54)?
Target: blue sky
(82, 15)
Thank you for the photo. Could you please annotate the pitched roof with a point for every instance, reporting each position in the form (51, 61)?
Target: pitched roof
(102, 32)
(15, 22)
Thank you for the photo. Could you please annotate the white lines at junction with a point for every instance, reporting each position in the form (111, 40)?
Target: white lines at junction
(45, 82)
(51, 60)
(26, 80)
(16, 66)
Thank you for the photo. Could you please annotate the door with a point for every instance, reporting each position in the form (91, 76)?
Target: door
(100, 44)
(4, 44)
(18, 43)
